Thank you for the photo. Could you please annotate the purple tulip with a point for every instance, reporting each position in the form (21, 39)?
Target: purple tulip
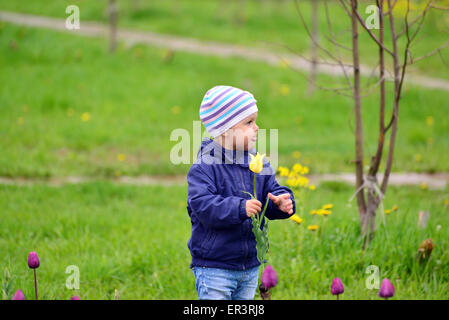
(75, 298)
(386, 289)
(18, 295)
(33, 260)
(34, 263)
(337, 287)
(269, 277)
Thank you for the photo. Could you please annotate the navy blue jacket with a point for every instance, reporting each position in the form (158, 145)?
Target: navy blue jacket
(222, 234)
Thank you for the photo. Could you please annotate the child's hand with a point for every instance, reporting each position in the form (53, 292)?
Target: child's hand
(283, 201)
(253, 207)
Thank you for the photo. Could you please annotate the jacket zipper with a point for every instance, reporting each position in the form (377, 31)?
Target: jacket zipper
(246, 238)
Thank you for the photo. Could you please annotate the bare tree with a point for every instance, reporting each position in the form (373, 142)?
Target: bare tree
(112, 12)
(369, 193)
(313, 47)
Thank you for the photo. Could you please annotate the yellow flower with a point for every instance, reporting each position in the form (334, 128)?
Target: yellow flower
(283, 171)
(291, 182)
(121, 157)
(305, 170)
(446, 202)
(395, 207)
(423, 186)
(256, 164)
(328, 206)
(297, 167)
(418, 157)
(324, 212)
(296, 218)
(296, 154)
(20, 121)
(429, 121)
(313, 227)
(85, 116)
(388, 211)
(313, 212)
(285, 90)
(312, 187)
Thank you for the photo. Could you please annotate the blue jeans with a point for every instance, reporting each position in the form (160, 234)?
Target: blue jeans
(225, 284)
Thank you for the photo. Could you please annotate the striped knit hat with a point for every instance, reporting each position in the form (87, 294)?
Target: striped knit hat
(225, 106)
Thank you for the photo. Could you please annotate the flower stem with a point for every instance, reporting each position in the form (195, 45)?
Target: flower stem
(255, 195)
(35, 285)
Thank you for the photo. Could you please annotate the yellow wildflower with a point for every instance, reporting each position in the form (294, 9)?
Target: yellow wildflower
(256, 164)
(395, 207)
(296, 218)
(429, 121)
(423, 186)
(313, 212)
(85, 116)
(387, 211)
(121, 157)
(446, 202)
(283, 171)
(328, 206)
(297, 167)
(313, 227)
(418, 157)
(324, 212)
(285, 90)
(20, 121)
(312, 187)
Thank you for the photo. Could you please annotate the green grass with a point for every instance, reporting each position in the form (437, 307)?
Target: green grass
(50, 79)
(267, 24)
(134, 239)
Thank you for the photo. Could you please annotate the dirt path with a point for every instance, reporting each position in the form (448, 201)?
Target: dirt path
(94, 29)
(432, 181)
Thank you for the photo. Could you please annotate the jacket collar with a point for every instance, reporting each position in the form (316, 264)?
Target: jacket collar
(212, 149)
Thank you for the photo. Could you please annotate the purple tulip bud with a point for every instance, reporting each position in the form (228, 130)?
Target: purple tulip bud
(337, 287)
(33, 260)
(386, 289)
(75, 298)
(269, 277)
(18, 295)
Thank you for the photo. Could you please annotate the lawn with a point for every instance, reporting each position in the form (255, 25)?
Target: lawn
(264, 24)
(134, 239)
(69, 108)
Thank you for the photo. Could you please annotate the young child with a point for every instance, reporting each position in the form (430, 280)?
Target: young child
(222, 245)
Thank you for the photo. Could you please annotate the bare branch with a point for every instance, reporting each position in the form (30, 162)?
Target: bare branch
(391, 9)
(431, 53)
(310, 35)
(439, 8)
(371, 33)
(303, 57)
(418, 18)
(335, 43)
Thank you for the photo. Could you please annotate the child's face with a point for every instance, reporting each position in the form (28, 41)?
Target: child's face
(244, 134)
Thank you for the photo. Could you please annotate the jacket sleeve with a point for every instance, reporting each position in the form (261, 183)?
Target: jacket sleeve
(212, 209)
(272, 186)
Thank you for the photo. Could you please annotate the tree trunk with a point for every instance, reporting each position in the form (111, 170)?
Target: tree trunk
(358, 122)
(112, 10)
(314, 49)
